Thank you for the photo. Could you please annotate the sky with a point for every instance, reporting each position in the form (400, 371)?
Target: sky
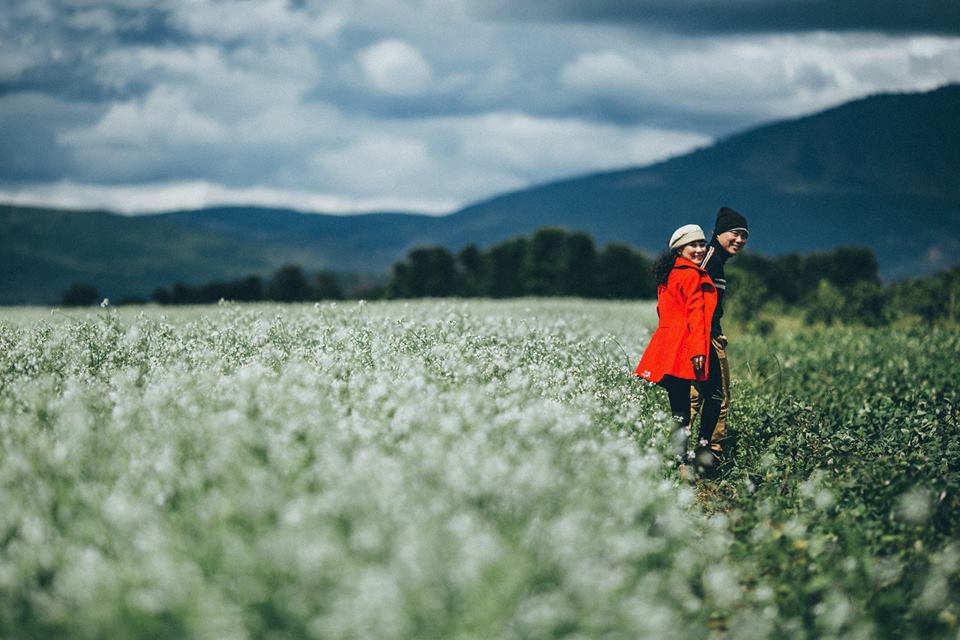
(346, 106)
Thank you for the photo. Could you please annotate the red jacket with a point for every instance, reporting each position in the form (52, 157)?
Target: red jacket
(685, 307)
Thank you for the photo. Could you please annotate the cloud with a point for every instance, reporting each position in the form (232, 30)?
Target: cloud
(99, 19)
(164, 117)
(763, 77)
(31, 125)
(140, 198)
(464, 158)
(395, 67)
(345, 102)
(159, 135)
(743, 16)
(253, 20)
(378, 164)
(58, 44)
(535, 148)
(13, 63)
(231, 81)
(603, 71)
(434, 165)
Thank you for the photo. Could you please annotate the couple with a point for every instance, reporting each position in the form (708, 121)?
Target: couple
(687, 353)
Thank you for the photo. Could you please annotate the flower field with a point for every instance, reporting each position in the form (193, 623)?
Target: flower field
(464, 470)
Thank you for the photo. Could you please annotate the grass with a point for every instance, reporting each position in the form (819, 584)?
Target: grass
(464, 470)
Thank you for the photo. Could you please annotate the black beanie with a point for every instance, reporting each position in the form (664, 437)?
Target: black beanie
(728, 219)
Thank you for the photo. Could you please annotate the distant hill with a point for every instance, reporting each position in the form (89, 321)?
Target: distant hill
(43, 251)
(883, 172)
(880, 172)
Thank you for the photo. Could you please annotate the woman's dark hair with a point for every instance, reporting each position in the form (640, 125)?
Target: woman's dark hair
(663, 265)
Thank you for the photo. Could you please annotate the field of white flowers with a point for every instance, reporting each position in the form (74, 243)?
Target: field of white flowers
(355, 470)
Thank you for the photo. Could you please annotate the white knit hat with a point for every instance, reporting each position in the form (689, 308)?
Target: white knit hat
(685, 235)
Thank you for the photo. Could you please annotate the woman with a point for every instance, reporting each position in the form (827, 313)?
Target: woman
(677, 354)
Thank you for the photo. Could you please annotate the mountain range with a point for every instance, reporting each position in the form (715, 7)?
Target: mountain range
(882, 172)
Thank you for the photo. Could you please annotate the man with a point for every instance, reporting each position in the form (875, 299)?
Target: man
(730, 235)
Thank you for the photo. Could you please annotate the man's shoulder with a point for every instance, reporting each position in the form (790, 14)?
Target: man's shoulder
(713, 263)
(714, 259)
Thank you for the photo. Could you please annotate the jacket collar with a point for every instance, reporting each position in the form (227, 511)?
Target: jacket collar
(683, 263)
(720, 253)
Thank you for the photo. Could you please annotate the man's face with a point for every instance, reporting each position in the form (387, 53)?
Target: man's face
(733, 241)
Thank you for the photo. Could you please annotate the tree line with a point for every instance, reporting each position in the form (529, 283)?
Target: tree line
(289, 283)
(838, 286)
(554, 262)
(841, 286)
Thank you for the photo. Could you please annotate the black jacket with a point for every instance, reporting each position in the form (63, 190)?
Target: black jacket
(713, 263)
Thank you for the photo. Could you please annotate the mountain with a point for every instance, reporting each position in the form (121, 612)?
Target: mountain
(43, 251)
(880, 172)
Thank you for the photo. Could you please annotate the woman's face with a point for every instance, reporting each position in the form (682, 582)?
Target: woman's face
(694, 251)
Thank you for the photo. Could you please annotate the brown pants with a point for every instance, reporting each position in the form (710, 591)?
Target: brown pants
(721, 397)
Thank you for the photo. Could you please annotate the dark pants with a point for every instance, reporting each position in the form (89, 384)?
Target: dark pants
(712, 400)
(710, 394)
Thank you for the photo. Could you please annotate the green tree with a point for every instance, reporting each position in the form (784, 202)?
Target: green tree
(932, 298)
(579, 267)
(288, 284)
(184, 294)
(326, 286)
(247, 289)
(80, 295)
(473, 269)
(505, 263)
(752, 294)
(823, 304)
(624, 273)
(427, 272)
(864, 303)
(543, 265)
(842, 267)
(398, 287)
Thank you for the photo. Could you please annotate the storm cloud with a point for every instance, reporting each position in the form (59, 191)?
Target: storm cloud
(422, 105)
(747, 16)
